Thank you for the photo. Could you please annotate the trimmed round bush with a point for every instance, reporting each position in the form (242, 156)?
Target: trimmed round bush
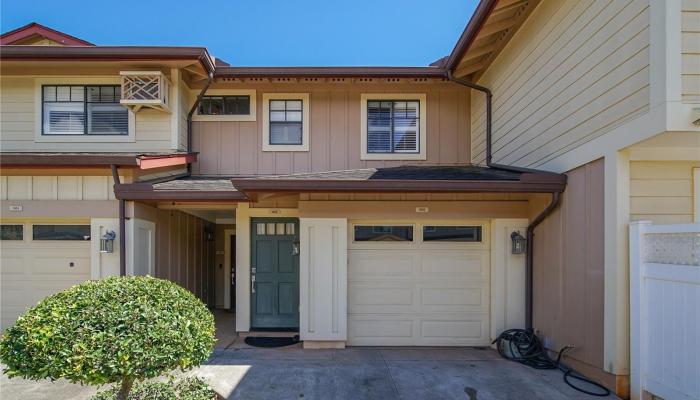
(118, 329)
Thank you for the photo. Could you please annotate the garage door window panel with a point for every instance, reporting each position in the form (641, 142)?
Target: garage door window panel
(12, 232)
(467, 234)
(61, 232)
(383, 233)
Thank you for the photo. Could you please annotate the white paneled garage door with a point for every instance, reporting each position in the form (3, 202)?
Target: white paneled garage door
(418, 292)
(33, 269)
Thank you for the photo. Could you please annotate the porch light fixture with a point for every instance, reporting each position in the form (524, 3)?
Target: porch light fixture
(107, 242)
(518, 243)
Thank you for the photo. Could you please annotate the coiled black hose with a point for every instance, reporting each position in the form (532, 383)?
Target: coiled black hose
(524, 347)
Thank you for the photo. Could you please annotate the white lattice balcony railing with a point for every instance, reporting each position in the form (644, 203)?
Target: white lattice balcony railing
(145, 89)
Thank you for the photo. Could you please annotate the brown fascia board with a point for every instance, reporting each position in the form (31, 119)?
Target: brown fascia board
(25, 160)
(399, 186)
(108, 53)
(476, 22)
(34, 28)
(144, 191)
(412, 72)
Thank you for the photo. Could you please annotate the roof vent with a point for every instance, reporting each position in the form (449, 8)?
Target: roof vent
(145, 89)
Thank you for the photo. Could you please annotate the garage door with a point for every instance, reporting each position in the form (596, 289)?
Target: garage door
(418, 285)
(33, 269)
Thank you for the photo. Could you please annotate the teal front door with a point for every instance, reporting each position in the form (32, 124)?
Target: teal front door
(274, 272)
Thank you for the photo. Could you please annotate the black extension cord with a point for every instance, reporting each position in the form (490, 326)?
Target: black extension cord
(524, 347)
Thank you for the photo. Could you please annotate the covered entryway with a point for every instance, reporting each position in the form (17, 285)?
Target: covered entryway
(38, 260)
(418, 284)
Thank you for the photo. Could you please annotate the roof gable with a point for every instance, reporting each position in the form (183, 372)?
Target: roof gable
(37, 34)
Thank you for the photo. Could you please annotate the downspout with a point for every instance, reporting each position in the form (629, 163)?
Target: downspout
(189, 118)
(122, 225)
(554, 202)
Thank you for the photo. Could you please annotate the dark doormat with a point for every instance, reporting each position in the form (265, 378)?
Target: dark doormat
(271, 341)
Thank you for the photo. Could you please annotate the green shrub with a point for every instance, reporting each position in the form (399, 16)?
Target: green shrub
(186, 389)
(119, 329)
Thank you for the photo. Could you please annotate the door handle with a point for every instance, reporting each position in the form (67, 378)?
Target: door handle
(252, 283)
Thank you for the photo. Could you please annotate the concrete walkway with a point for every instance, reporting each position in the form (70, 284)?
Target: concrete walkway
(354, 373)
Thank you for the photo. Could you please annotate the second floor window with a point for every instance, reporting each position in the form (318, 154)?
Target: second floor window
(286, 122)
(224, 105)
(83, 110)
(393, 126)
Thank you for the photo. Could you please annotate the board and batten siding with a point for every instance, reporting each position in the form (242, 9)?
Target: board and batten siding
(56, 188)
(574, 71)
(184, 255)
(662, 191)
(18, 124)
(690, 47)
(235, 148)
(568, 274)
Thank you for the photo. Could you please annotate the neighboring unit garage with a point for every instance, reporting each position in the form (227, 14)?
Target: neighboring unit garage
(418, 284)
(39, 259)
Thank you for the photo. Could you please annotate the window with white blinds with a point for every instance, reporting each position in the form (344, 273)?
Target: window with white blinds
(393, 126)
(286, 122)
(83, 110)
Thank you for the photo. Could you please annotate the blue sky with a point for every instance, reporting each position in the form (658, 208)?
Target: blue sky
(263, 32)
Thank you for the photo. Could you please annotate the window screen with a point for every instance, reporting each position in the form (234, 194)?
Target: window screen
(61, 232)
(11, 232)
(451, 233)
(286, 122)
(393, 126)
(224, 105)
(80, 110)
(383, 233)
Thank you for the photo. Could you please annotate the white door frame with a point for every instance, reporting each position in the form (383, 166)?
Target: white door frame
(226, 282)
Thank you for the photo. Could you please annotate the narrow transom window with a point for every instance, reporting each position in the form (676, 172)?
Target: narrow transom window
(393, 126)
(224, 105)
(286, 122)
(83, 110)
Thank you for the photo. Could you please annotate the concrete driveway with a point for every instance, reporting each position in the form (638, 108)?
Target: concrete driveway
(354, 373)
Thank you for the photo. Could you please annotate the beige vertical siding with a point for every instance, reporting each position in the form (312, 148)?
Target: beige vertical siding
(574, 71)
(690, 47)
(18, 124)
(183, 254)
(56, 188)
(569, 271)
(662, 191)
(234, 148)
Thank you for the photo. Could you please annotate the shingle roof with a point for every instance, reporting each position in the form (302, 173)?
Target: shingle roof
(195, 183)
(445, 173)
(455, 178)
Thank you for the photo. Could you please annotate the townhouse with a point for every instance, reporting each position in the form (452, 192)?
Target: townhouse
(361, 206)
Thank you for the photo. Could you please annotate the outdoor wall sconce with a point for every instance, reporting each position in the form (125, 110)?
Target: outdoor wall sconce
(518, 243)
(107, 242)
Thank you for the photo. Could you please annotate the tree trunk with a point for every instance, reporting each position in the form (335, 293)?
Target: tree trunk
(125, 389)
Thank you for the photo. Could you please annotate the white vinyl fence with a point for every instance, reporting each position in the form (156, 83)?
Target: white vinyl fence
(665, 310)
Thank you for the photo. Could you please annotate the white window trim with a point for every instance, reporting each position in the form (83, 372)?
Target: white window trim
(422, 134)
(266, 146)
(39, 111)
(251, 117)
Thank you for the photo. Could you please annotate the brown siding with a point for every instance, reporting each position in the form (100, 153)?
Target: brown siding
(234, 148)
(569, 271)
(183, 254)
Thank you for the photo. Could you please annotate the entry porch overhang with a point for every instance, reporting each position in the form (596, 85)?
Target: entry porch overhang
(413, 179)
